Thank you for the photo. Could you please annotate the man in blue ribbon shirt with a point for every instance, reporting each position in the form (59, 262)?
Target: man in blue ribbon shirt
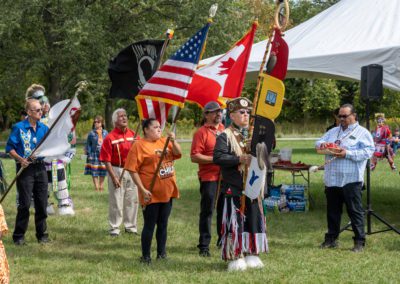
(344, 176)
(24, 138)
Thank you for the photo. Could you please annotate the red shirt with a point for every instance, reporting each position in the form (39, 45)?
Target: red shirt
(116, 146)
(203, 143)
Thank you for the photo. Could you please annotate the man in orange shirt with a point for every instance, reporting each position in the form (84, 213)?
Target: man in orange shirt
(202, 153)
(123, 194)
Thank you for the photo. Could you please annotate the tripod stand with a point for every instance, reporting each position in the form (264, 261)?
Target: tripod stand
(369, 213)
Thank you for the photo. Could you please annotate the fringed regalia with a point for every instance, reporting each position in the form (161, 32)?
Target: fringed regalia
(382, 136)
(243, 233)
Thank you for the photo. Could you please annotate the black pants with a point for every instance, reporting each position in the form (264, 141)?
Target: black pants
(155, 214)
(350, 195)
(31, 182)
(208, 193)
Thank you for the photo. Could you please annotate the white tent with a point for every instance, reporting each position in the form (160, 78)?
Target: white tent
(340, 40)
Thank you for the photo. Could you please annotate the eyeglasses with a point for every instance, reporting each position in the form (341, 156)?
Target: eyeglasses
(37, 110)
(214, 111)
(97, 121)
(344, 116)
(244, 111)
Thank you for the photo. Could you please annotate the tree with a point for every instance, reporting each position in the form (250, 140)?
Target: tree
(58, 43)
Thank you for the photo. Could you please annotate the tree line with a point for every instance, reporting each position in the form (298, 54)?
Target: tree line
(58, 43)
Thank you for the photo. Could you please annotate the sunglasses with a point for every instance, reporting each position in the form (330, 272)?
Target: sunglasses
(214, 111)
(37, 110)
(244, 111)
(344, 116)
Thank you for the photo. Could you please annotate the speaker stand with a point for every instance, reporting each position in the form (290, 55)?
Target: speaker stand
(369, 213)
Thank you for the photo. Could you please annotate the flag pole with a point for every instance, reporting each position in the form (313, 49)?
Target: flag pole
(267, 53)
(164, 151)
(81, 86)
(168, 34)
(266, 56)
(212, 12)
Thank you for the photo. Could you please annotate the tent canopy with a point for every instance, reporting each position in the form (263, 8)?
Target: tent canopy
(340, 40)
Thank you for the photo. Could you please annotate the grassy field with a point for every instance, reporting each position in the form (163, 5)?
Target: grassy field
(82, 251)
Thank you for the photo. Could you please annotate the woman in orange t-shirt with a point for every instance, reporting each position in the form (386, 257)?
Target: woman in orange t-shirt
(142, 163)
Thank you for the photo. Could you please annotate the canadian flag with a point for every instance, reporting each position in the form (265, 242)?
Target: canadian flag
(224, 77)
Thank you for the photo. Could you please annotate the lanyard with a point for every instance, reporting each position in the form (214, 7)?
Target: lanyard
(339, 141)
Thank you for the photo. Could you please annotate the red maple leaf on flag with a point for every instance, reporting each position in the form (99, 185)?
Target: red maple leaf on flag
(222, 78)
(226, 66)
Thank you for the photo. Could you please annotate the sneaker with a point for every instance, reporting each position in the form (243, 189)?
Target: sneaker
(114, 235)
(204, 253)
(329, 244)
(20, 242)
(50, 209)
(129, 231)
(44, 240)
(66, 210)
(145, 260)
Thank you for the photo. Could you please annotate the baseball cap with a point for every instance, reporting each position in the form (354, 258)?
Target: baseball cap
(211, 106)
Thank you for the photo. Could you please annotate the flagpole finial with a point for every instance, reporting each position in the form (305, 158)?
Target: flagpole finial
(169, 33)
(81, 85)
(281, 17)
(212, 11)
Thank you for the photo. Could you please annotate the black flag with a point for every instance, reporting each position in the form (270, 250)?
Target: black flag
(132, 67)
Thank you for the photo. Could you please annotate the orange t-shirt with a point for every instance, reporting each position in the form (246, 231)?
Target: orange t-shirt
(143, 159)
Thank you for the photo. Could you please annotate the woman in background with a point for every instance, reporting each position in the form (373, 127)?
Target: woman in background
(94, 167)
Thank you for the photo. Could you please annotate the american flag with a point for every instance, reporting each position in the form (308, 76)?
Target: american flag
(171, 82)
(148, 108)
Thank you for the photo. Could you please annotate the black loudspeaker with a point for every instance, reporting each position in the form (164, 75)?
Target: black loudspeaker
(371, 82)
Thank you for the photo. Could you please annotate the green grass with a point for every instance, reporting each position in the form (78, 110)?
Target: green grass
(82, 251)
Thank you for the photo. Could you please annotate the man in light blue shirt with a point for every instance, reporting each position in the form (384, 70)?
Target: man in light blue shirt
(344, 176)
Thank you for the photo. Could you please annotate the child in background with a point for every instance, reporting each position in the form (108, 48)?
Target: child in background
(382, 139)
(4, 270)
(395, 140)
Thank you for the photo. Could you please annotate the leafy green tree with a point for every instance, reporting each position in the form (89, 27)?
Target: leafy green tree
(58, 43)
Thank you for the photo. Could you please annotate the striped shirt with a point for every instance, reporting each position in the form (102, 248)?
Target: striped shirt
(359, 146)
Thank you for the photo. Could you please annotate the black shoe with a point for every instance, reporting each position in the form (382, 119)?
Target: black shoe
(161, 256)
(358, 246)
(329, 244)
(145, 260)
(114, 235)
(204, 253)
(20, 242)
(44, 240)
